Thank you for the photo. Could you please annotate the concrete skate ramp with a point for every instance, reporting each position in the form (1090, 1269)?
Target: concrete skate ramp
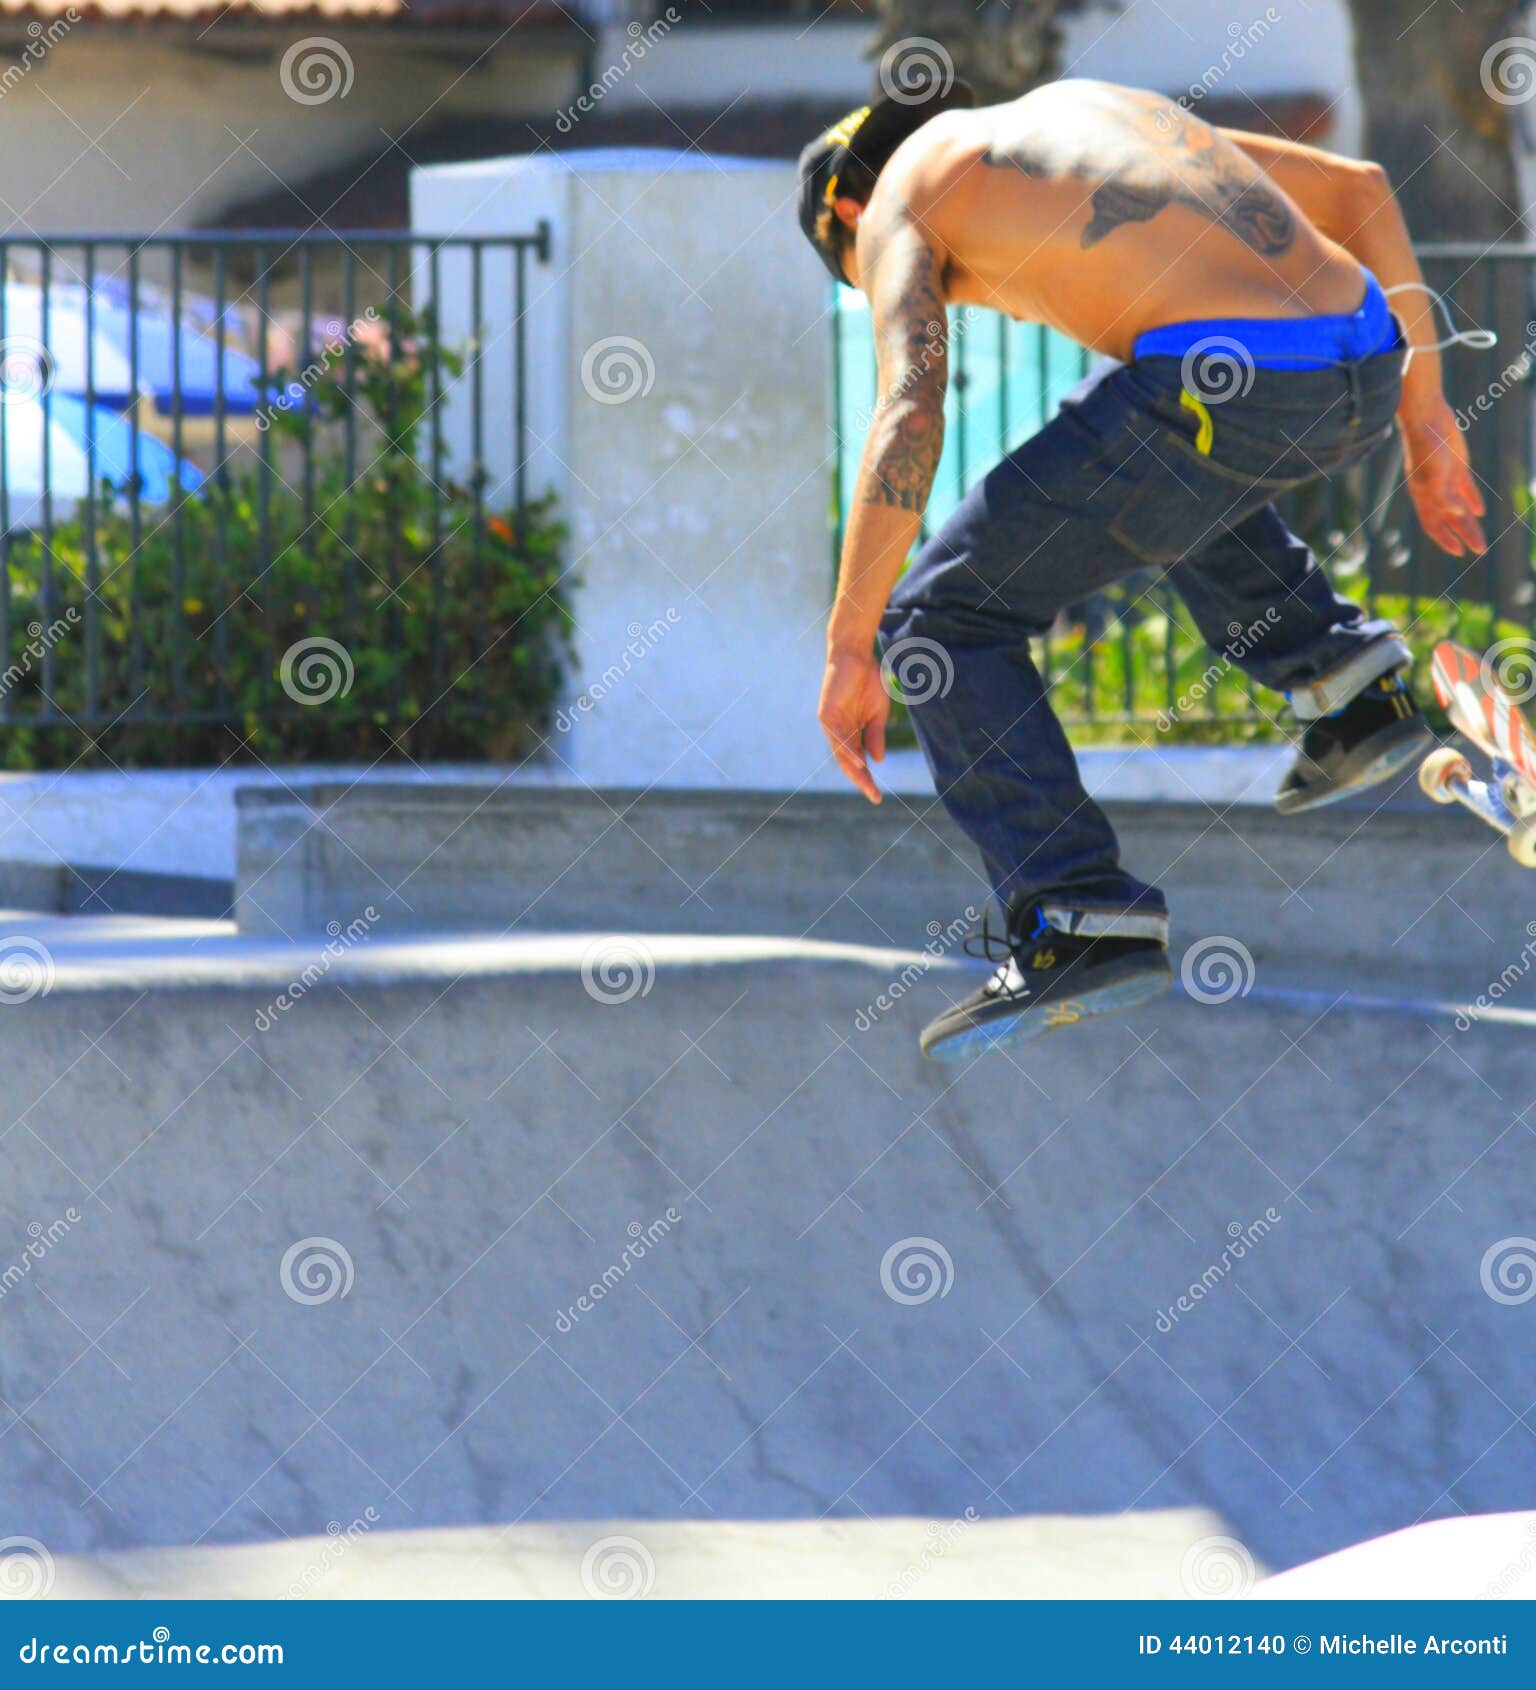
(697, 1234)
(1490, 1556)
(1145, 1555)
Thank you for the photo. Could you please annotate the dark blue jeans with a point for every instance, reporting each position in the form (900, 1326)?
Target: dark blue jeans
(1127, 477)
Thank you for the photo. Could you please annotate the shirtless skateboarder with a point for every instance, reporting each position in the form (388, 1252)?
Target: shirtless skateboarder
(1125, 222)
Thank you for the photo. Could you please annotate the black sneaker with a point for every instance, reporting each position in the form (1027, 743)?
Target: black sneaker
(1375, 736)
(1046, 980)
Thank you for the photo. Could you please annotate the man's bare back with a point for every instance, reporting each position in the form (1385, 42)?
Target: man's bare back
(1104, 211)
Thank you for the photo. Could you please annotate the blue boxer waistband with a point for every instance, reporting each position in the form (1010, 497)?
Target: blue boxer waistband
(1286, 343)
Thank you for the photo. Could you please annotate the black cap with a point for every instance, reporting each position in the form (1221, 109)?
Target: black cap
(867, 136)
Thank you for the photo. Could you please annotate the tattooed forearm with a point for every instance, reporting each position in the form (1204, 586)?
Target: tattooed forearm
(902, 456)
(906, 434)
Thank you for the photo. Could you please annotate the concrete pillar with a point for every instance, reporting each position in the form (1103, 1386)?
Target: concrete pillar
(680, 383)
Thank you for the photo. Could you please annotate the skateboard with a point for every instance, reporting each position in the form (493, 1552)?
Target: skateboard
(1483, 712)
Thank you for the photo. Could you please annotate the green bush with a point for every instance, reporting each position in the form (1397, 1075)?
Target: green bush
(1182, 693)
(245, 603)
(1131, 669)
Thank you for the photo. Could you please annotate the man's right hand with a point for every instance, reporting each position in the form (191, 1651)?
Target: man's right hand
(1441, 483)
(853, 712)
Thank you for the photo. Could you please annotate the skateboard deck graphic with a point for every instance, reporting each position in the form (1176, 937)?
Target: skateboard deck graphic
(1484, 713)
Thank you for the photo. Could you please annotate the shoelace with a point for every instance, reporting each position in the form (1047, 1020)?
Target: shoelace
(997, 947)
(987, 945)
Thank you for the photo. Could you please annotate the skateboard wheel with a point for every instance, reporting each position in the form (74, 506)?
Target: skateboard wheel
(1522, 842)
(1439, 770)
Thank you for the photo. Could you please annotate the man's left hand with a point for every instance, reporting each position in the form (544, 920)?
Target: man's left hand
(1441, 484)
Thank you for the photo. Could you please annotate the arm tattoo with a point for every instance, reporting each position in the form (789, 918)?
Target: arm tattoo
(906, 434)
(1164, 158)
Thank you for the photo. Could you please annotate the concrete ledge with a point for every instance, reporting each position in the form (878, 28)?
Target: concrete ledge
(182, 821)
(33, 886)
(1409, 896)
(166, 821)
(85, 889)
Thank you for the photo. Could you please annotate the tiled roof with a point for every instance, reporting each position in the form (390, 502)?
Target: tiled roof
(503, 13)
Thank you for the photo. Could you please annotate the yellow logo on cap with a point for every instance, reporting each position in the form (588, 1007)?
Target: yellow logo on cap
(840, 134)
(844, 131)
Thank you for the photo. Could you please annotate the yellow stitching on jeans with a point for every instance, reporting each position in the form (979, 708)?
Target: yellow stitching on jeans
(1207, 428)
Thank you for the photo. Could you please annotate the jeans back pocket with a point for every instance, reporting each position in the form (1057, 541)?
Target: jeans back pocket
(1183, 499)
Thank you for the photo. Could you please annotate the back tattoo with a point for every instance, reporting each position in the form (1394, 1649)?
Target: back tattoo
(1162, 157)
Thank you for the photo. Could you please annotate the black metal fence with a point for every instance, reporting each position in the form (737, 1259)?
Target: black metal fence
(1130, 659)
(212, 443)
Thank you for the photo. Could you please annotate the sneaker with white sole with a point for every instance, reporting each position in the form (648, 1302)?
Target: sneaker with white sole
(1377, 735)
(1046, 979)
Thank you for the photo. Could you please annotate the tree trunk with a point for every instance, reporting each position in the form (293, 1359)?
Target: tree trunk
(1002, 49)
(1446, 88)
(1444, 139)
